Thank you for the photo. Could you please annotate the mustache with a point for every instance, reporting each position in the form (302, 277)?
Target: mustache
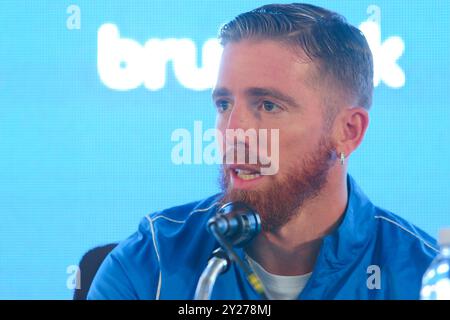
(244, 155)
(260, 160)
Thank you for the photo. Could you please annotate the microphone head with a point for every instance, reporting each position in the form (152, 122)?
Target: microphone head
(237, 222)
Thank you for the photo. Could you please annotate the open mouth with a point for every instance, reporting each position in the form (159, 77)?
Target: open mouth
(245, 173)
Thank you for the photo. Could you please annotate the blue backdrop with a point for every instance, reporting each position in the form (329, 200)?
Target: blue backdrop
(85, 142)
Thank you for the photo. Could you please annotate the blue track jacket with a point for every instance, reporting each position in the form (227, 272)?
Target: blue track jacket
(373, 254)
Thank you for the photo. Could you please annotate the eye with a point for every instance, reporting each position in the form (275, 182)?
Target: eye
(270, 107)
(222, 105)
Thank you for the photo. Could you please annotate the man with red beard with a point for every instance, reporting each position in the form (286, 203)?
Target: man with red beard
(306, 72)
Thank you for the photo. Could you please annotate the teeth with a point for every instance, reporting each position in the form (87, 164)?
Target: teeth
(246, 174)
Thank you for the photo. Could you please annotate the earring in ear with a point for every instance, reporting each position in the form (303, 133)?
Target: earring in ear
(342, 158)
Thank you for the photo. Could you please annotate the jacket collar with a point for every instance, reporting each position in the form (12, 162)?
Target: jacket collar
(344, 245)
(355, 229)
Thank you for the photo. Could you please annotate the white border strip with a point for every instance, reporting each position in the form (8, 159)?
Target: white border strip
(183, 221)
(158, 291)
(151, 221)
(410, 232)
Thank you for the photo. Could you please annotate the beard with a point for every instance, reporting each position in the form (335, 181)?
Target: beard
(283, 197)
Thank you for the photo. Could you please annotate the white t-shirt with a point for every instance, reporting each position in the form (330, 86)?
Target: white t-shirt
(279, 287)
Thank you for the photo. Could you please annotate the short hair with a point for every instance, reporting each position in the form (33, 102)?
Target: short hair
(337, 48)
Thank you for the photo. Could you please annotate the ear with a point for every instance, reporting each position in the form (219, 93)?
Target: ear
(349, 129)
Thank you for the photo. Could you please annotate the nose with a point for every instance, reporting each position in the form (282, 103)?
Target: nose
(239, 127)
(240, 117)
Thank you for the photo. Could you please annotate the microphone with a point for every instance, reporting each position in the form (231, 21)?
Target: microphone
(234, 225)
(237, 222)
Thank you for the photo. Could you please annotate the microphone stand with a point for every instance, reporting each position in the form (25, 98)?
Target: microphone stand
(219, 263)
(234, 225)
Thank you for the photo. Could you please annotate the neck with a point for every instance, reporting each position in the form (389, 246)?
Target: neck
(293, 249)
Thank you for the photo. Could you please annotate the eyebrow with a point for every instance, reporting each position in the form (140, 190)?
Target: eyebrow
(221, 92)
(258, 92)
(272, 92)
